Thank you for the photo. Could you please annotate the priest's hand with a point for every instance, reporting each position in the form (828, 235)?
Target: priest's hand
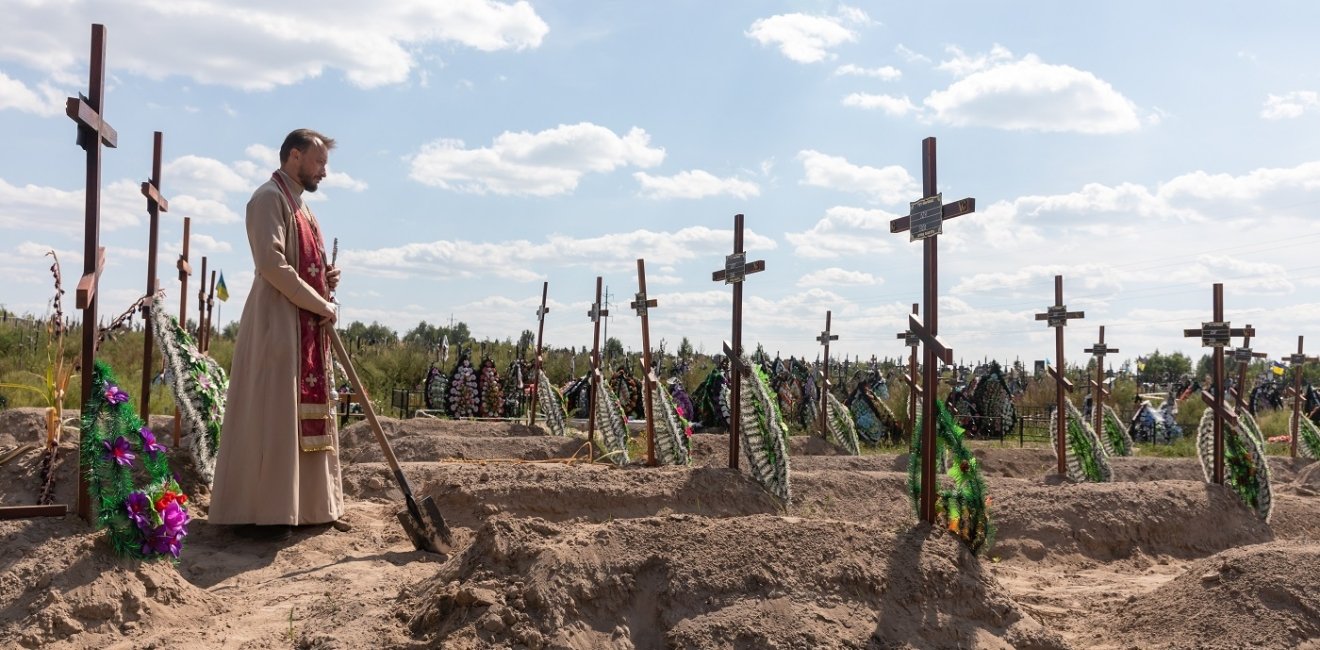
(332, 277)
(330, 314)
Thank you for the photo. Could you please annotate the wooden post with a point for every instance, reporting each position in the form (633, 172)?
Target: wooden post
(1099, 350)
(1218, 334)
(185, 270)
(540, 331)
(735, 271)
(201, 307)
(156, 204)
(1297, 362)
(210, 305)
(595, 315)
(93, 131)
(824, 339)
(642, 306)
(1057, 316)
(1243, 357)
(914, 386)
(925, 222)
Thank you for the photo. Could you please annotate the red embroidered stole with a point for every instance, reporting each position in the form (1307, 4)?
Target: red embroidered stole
(315, 432)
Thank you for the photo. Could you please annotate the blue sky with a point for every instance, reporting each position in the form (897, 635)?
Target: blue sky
(1143, 150)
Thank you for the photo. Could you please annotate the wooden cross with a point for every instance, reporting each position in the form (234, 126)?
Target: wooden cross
(210, 305)
(93, 131)
(914, 386)
(156, 204)
(1218, 334)
(824, 339)
(1099, 350)
(540, 332)
(185, 270)
(1296, 362)
(925, 222)
(201, 307)
(643, 306)
(735, 271)
(595, 315)
(1057, 316)
(1243, 357)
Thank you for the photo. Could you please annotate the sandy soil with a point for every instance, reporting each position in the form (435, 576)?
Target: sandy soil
(560, 553)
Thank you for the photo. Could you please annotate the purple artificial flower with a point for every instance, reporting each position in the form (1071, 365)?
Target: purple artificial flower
(160, 540)
(175, 518)
(139, 509)
(114, 395)
(149, 443)
(119, 451)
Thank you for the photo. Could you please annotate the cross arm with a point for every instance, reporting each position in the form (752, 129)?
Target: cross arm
(735, 361)
(152, 193)
(87, 284)
(1213, 402)
(81, 112)
(1062, 381)
(942, 352)
(951, 210)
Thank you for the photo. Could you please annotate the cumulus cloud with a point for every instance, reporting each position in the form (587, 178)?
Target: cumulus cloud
(1028, 94)
(259, 45)
(891, 105)
(835, 276)
(883, 73)
(694, 184)
(545, 163)
(1290, 105)
(803, 38)
(891, 184)
(844, 230)
(45, 100)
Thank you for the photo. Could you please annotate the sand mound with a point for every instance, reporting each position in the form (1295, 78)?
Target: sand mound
(60, 579)
(1257, 596)
(683, 581)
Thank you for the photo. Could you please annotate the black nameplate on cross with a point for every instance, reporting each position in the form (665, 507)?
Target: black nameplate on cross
(1243, 357)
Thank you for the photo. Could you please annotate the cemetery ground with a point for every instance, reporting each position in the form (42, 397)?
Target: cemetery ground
(555, 553)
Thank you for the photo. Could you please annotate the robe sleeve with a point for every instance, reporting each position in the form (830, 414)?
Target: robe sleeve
(266, 236)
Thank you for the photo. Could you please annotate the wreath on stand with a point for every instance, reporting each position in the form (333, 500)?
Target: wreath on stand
(682, 401)
(464, 393)
(840, 426)
(551, 404)
(613, 424)
(673, 433)
(965, 505)
(872, 417)
(713, 399)
(764, 434)
(1119, 443)
(435, 389)
(145, 519)
(200, 388)
(515, 390)
(629, 392)
(492, 394)
(1246, 470)
(1085, 453)
(1308, 437)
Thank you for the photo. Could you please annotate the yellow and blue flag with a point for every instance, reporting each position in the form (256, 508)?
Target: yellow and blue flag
(221, 291)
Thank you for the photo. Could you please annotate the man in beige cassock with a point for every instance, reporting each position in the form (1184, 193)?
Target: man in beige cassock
(278, 465)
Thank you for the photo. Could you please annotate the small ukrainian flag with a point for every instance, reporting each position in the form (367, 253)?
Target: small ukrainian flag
(221, 291)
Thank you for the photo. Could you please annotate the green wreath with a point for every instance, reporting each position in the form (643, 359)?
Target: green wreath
(119, 452)
(840, 426)
(673, 433)
(200, 388)
(613, 425)
(1117, 436)
(764, 435)
(1308, 437)
(1085, 452)
(964, 506)
(551, 404)
(1246, 470)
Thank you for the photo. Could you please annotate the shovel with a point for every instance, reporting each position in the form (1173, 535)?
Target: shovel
(422, 521)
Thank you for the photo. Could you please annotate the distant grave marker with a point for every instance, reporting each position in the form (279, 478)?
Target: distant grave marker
(1057, 316)
(540, 333)
(735, 271)
(642, 306)
(594, 314)
(1217, 334)
(1297, 361)
(824, 339)
(914, 387)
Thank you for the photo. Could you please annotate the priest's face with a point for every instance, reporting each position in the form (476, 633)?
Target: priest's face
(310, 166)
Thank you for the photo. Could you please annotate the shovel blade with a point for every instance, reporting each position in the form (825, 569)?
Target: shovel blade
(431, 533)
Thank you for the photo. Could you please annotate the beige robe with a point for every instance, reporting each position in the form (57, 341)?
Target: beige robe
(261, 474)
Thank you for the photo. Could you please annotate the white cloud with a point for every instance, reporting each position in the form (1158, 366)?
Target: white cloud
(909, 55)
(845, 231)
(45, 100)
(1029, 95)
(835, 276)
(694, 184)
(258, 45)
(891, 184)
(545, 163)
(511, 260)
(801, 37)
(34, 207)
(895, 106)
(1290, 105)
(206, 178)
(962, 65)
(884, 73)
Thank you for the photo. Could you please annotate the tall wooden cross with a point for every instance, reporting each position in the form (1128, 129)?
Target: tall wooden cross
(93, 131)
(1218, 334)
(1297, 361)
(540, 332)
(824, 339)
(1057, 316)
(201, 306)
(925, 222)
(1243, 357)
(156, 204)
(595, 314)
(1098, 391)
(185, 270)
(642, 306)
(210, 306)
(735, 271)
(914, 386)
